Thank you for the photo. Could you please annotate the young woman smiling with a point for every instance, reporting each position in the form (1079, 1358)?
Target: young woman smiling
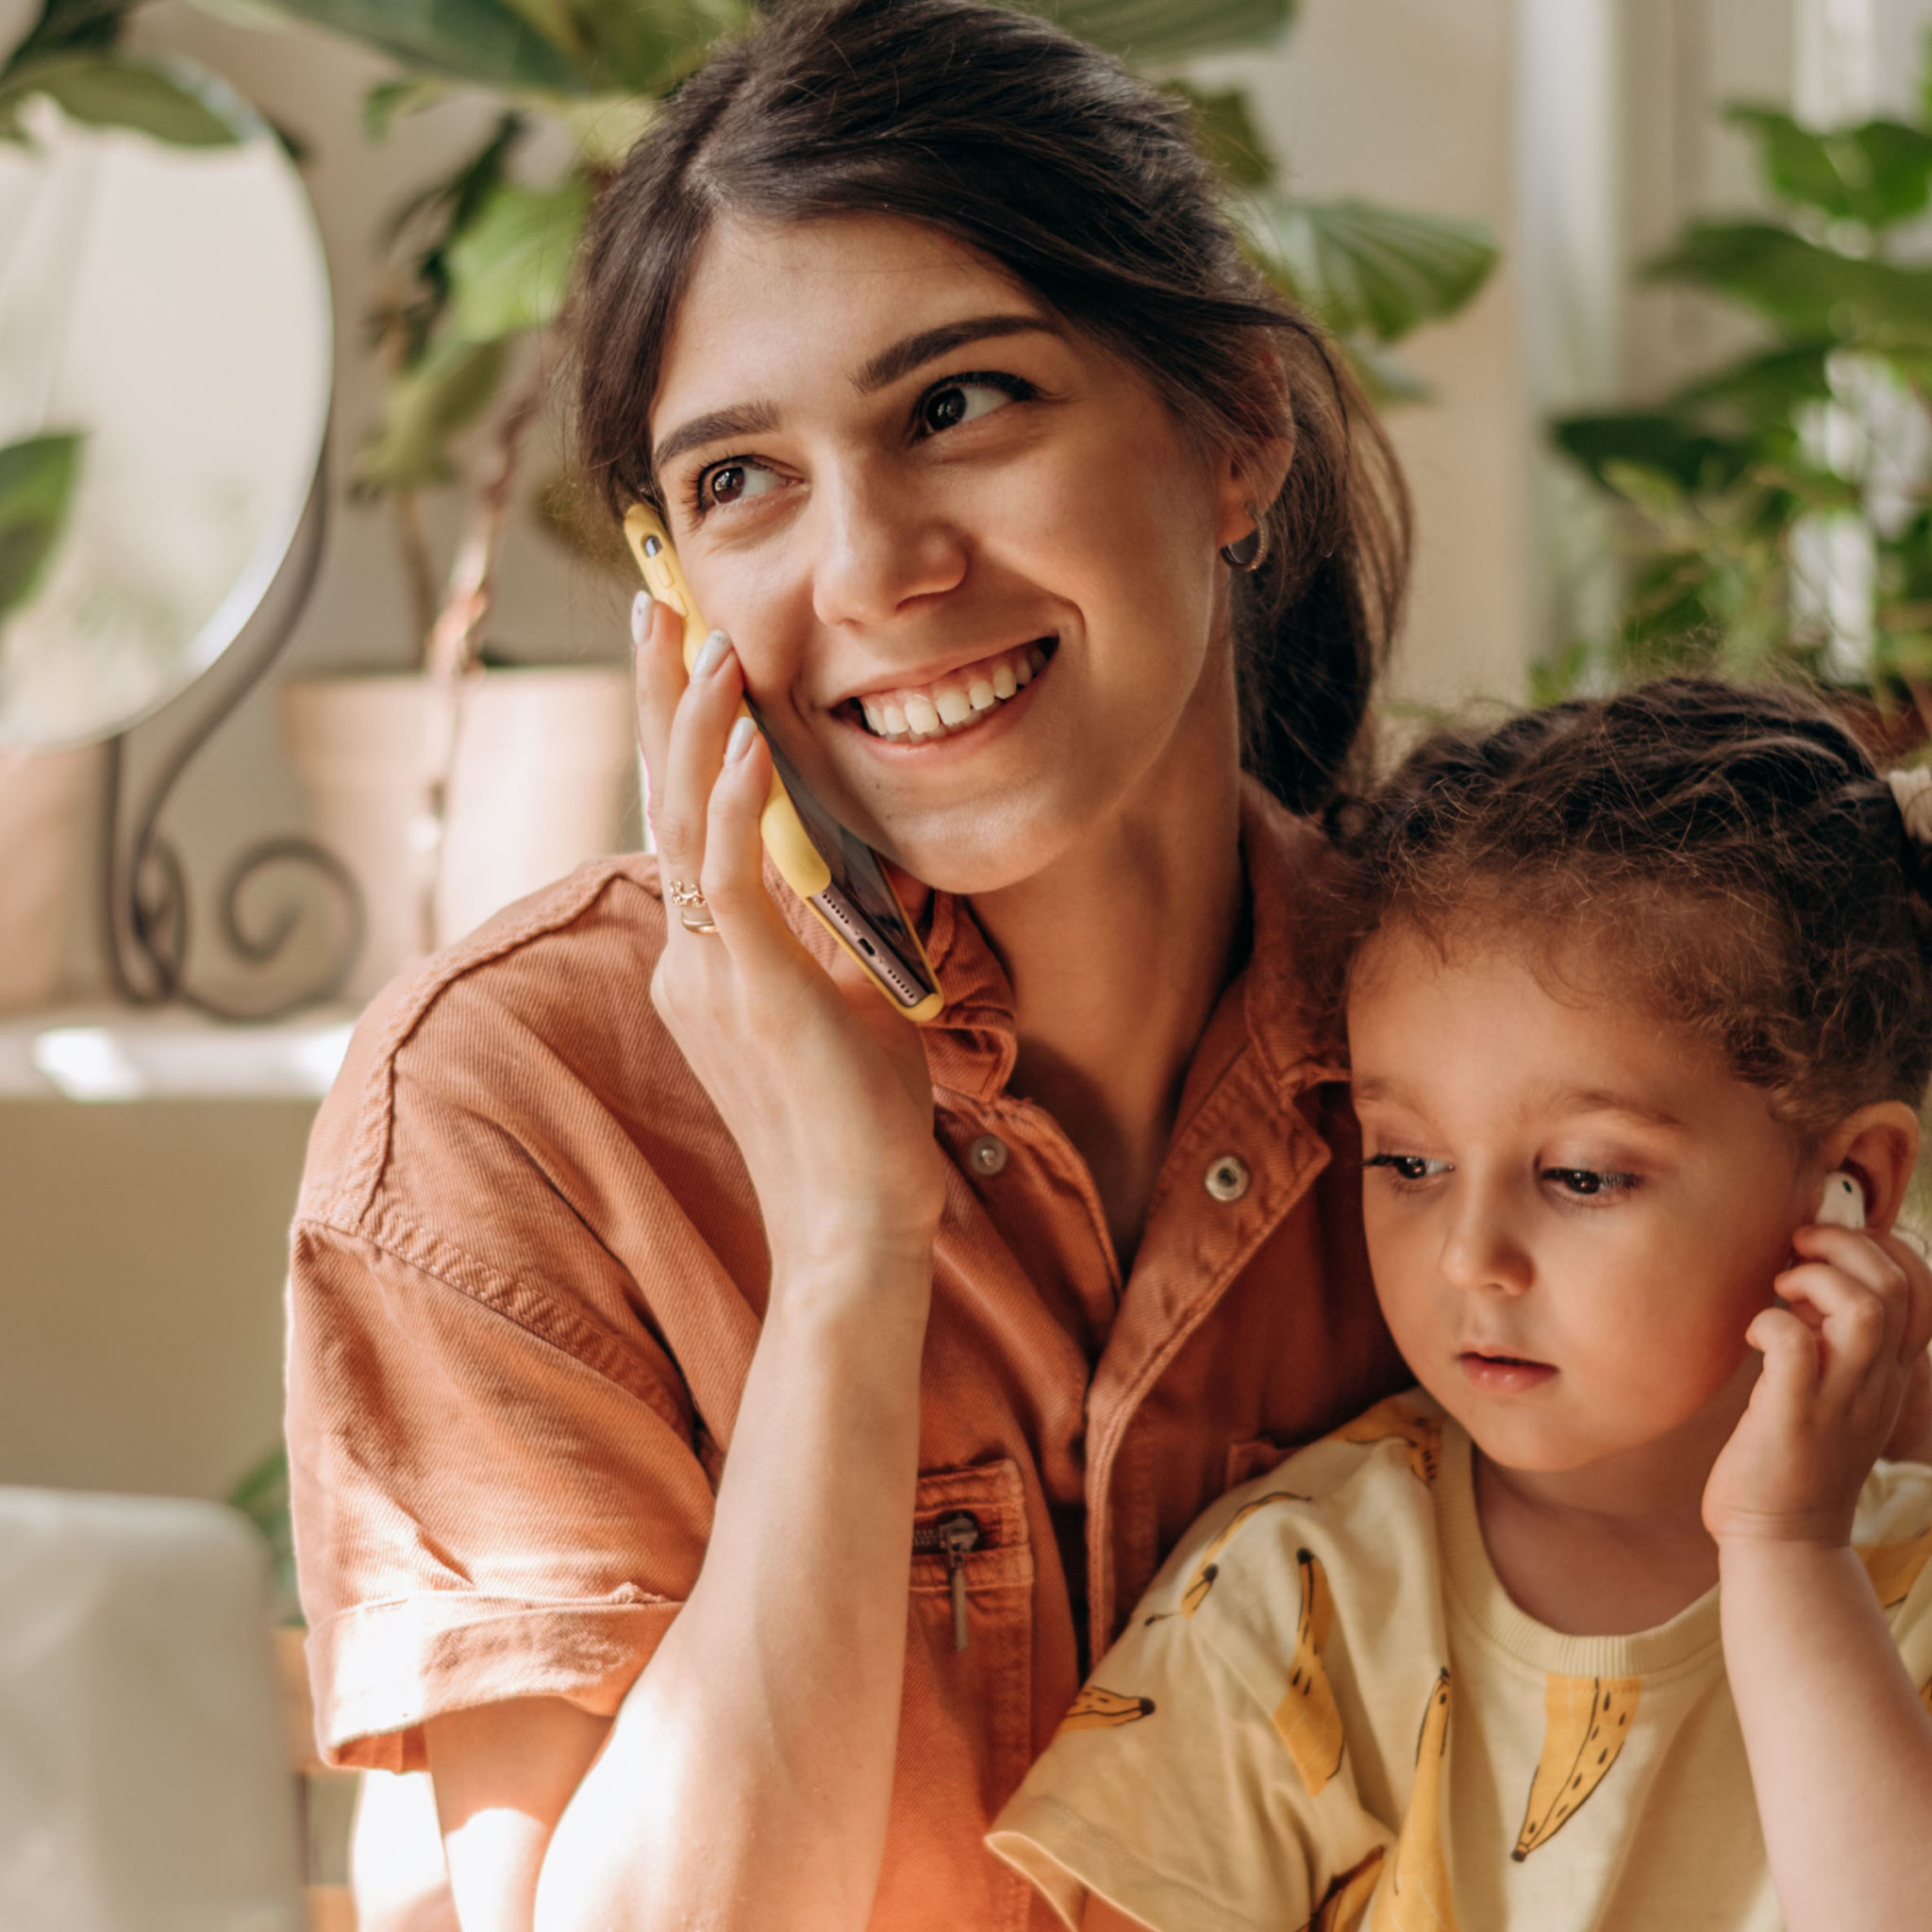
(726, 1420)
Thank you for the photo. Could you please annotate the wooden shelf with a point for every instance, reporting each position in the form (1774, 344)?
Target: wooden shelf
(96, 1054)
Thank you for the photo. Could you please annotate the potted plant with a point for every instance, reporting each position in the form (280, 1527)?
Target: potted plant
(1779, 509)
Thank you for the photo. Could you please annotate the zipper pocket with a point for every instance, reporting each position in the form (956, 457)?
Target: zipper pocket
(956, 1534)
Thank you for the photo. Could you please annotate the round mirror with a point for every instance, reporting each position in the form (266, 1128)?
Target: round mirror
(164, 382)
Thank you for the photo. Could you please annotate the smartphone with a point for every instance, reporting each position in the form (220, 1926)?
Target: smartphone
(835, 873)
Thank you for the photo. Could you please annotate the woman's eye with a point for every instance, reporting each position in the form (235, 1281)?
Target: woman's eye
(955, 403)
(1409, 1167)
(732, 482)
(1590, 1182)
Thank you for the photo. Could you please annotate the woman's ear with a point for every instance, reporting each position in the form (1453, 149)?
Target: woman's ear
(1880, 1145)
(1250, 481)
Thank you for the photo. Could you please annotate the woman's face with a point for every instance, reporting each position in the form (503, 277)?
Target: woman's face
(967, 557)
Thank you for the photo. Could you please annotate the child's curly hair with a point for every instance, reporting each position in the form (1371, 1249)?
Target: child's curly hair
(1728, 856)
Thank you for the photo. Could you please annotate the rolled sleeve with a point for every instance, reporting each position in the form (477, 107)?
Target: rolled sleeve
(480, 1514)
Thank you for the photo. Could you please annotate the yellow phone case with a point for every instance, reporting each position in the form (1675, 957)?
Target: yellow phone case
(800, 863)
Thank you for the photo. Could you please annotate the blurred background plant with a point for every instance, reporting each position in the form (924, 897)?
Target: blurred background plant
(1777, 510)
(479, 262)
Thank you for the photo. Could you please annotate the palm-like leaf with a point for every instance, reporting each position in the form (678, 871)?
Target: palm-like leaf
(489, 42)
(1370, 270)
(105, 90)
(37, 484)
(1158, 31)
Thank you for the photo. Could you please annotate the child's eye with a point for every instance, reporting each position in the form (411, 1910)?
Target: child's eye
(1589, 1182)
(1410, 1169)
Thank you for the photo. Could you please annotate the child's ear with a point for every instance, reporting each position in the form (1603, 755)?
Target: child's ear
(1880, 1145)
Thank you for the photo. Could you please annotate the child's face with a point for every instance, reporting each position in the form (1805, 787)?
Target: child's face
(1572, 1212)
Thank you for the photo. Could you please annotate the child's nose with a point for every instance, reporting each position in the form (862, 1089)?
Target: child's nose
(1483, 1250)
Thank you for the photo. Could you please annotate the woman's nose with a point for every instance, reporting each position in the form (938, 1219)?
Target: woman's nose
(881, 547)
(1483, 1249)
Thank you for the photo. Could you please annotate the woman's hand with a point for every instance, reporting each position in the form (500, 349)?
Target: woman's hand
(1839, 1357)
(824, 1088)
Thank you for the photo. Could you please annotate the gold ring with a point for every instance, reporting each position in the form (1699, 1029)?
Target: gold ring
(704, 924)
(684, 894)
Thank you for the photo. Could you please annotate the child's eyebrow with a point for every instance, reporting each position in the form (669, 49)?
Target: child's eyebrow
(1605, 1100)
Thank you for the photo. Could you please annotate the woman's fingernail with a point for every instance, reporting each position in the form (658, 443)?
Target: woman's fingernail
(639, 617)
(711, 654)
(740, 740)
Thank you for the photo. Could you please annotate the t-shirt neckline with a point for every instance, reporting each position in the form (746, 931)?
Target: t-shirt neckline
(1478, 1593)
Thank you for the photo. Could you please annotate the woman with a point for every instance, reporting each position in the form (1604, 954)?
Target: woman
(650, 1356)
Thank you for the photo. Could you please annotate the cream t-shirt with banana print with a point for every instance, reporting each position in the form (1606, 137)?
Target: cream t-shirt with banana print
(1326, 1714)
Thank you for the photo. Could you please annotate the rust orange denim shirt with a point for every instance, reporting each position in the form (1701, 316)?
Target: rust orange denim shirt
(528, 1273)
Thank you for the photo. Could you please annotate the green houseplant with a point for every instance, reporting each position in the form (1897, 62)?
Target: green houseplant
(1779, 508)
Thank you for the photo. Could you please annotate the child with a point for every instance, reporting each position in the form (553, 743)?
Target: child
(1633, 980)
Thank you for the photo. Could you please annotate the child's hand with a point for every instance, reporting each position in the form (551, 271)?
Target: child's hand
(1836, 1361)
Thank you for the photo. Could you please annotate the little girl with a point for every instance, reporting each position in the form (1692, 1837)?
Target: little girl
(1617, 1625)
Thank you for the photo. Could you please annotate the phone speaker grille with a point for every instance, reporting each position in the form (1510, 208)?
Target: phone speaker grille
(885, 966)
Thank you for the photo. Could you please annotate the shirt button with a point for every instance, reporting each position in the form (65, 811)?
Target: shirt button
(1229, 1178)
(987, 1155)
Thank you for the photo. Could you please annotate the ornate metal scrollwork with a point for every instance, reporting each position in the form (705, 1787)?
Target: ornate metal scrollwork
(145, 901)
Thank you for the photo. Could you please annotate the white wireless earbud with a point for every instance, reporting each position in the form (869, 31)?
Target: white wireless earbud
(1844, 1205)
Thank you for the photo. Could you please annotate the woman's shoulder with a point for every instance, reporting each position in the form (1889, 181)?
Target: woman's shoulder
(544, 1010)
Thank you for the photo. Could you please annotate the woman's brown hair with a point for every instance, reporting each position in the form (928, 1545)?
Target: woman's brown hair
(1050, 160)
(1725, 856)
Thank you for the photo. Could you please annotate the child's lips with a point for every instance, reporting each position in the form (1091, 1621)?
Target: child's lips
(1502, 1375)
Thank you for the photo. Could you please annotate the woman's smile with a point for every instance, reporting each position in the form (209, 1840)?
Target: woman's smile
(953, 701)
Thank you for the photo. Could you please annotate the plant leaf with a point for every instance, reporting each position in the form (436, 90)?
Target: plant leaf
(1161, 30)
(510, 267)
(105, 90)
(1372, 271)
(1654, 443)
(383, 105)
(1225, 133)
(1763, 386)
(1807, 290)
(482, 41)
(647, 47)
(38, 477)
(1878, 174)
(70, 26)
(423, 408)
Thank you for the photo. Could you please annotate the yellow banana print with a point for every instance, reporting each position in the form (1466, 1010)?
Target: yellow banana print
(1585, 1723)
(1413, 1895)
(1395, 1418)
(1206, 1570)
(1345, 1903)
(1098, 1709)
(1306, 1718)
(1894, 1568)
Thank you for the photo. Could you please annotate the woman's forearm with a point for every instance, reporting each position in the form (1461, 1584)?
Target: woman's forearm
(747, 1777)
(1840, 1746)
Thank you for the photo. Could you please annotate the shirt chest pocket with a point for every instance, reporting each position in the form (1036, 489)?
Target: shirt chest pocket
(970, 1639)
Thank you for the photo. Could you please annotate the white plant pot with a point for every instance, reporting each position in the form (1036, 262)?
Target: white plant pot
(43, 811)
(545, 769)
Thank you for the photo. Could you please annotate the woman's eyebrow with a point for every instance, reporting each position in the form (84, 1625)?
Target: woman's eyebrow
(903, 358)
(886, 367)
(716, 426)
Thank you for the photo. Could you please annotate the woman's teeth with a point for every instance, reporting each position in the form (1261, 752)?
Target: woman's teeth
(953, 705)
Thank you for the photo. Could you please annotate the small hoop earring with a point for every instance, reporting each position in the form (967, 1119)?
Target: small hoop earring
(1247, 554)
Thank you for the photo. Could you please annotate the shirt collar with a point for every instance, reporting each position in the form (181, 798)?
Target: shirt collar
(971, 1046)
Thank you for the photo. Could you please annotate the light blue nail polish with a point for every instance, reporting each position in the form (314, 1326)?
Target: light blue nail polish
(712, 654)
(740, 742)
(639, 616)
